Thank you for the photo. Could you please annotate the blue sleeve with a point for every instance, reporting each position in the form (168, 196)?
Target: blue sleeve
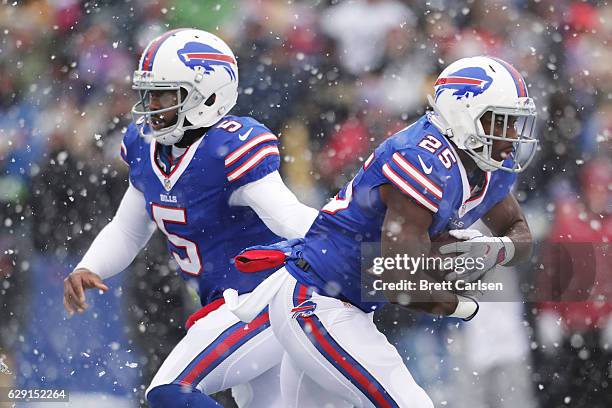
(417, 175)
(252, 154)
(133, 149)
(129, 144)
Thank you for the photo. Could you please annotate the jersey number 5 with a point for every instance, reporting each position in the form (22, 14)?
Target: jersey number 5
(192, 264)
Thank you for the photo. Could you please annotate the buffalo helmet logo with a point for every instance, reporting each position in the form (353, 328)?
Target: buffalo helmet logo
(467, 82)
(195, 54)
(304, 309)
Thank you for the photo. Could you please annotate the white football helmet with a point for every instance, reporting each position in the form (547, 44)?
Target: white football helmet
(472, 87)
(196, 61)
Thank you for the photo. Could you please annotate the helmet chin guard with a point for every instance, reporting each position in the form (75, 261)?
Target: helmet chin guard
(195, 61)
(470, 89)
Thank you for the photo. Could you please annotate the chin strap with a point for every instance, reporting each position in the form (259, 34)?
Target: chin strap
(178, 133)
(170, 138)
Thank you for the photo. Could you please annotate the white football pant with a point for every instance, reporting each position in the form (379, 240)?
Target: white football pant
(220, 352)
(335, 355)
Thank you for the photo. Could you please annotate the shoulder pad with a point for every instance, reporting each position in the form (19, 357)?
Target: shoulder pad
(234, 136)
(421, 175)
(248, 148)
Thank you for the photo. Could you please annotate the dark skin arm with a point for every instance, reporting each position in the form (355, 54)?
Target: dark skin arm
(75, 285)
(411, 238)
(507, 218)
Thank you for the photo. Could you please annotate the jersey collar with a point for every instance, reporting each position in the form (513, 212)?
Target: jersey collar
(467, 203)
(169, 180)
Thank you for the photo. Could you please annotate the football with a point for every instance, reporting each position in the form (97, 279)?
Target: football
(440, 240)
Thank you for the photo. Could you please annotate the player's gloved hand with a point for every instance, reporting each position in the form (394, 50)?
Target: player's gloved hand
(286, 246)
(485, 253)
(74, 289)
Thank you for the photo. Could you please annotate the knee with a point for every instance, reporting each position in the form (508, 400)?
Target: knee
(163, 395)
(421, 400)
(176, 395)
(415, 397)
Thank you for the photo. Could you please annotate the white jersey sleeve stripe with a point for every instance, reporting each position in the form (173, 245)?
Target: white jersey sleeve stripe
(406, 188)
(238, 153)
(123, 151)
(253, 161)
(368, 161)
(417, 175)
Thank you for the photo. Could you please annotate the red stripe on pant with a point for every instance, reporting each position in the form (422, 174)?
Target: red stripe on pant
(372, 389)
(223, 347)
(302, 293)
(309, 322)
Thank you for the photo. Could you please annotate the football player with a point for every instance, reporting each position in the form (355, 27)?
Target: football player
(451, 167)
(209, 182)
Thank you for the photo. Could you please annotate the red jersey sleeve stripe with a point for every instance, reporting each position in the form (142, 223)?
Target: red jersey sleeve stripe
(417, 176)
(240, 152)
(253, 161)
(406, 188)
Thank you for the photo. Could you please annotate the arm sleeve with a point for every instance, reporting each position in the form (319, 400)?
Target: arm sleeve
(276, 206)
(120, 240)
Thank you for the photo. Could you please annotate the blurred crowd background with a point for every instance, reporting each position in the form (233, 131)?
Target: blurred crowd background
(332, 79)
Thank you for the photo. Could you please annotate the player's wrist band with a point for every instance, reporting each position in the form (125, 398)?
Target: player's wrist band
(508, 248)
(466, 308)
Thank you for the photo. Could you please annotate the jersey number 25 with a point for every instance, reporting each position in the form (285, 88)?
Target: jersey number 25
(431, 144)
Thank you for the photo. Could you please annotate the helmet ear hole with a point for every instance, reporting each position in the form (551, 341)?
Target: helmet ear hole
(211, 100)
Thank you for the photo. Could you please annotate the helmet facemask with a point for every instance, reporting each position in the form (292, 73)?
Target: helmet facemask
(477, 142)
(515, 127)
(187, 97)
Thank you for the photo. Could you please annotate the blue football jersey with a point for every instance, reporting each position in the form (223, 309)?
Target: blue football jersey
(424, 165)
(189, 200)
